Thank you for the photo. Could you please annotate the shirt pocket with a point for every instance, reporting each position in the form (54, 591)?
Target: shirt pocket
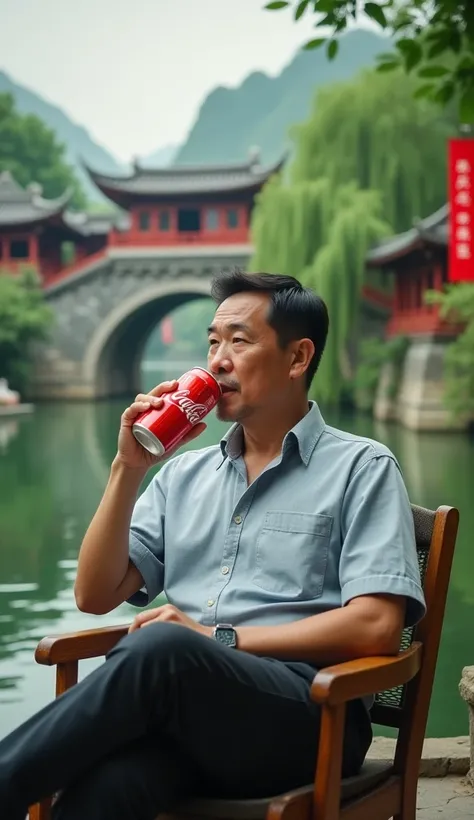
(292, 553)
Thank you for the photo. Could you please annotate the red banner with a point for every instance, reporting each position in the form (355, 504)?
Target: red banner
(167, 335)
(461, 201)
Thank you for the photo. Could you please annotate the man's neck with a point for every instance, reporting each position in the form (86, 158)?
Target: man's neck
(263, 438)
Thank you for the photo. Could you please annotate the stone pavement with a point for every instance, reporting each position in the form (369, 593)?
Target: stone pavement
(449, 798)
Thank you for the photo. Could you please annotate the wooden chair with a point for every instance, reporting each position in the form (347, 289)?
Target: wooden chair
(381, 790)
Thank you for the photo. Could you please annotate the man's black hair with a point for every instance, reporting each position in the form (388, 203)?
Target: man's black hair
(296, 312)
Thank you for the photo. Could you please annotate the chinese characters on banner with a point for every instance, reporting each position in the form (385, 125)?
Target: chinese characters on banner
(461, 201)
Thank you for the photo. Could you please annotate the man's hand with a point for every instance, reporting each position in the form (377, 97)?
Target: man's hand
(168, 614)
(130, 452)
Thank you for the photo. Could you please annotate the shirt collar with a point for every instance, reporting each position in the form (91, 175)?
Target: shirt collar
(305, 434)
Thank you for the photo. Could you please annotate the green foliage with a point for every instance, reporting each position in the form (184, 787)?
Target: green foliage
(424, 31)
(373, 355)
(456, 305)
(357, 176)
(320, 235)
(30, 151)
(24, 318)
(370, 130)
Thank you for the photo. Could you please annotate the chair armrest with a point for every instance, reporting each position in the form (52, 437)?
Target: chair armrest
(365, 676)
(77, 646)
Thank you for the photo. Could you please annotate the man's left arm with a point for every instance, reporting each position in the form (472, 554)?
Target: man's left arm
(378, 573)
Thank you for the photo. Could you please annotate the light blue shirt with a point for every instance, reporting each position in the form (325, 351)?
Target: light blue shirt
(326, 521)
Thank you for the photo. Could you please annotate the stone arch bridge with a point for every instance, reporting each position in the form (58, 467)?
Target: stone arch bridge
(105, 312)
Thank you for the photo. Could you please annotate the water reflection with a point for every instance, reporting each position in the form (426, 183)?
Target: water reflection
(53, 468)
(8, 430)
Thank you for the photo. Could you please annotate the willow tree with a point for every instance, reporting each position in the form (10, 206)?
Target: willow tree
(321, 236)
(369, 160)
(373, 131)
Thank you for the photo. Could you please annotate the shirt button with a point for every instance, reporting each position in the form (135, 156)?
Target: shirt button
(225, 570)
(238, 519)
(210, 602)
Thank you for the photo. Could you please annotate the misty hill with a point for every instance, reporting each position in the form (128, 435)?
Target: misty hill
(79, 143)
(161, 158)
(261, 110)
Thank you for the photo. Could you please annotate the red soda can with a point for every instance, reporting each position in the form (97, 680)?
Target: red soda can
(159, 430)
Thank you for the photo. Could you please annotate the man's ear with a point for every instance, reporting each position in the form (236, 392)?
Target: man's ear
(302, 353)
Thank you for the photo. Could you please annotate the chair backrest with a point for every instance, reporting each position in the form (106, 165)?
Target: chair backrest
(435, 533)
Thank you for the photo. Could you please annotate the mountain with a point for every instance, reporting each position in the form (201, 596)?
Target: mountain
(161, 158)
(261, 110)
(79, 143)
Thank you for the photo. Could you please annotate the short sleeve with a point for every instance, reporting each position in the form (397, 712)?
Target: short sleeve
(379, 549)
(146, 541)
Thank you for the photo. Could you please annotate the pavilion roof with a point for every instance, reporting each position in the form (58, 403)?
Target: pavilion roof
(87, 224)
(184, 180)
(433, 230)
(26, 206)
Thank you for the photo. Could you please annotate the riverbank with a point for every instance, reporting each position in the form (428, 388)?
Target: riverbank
(8, 411)
(448, 797)
(441, 756)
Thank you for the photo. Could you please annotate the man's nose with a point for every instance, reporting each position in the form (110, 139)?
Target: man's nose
(219, 362)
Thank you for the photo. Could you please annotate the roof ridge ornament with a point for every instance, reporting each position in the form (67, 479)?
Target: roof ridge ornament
(254, 155)
(35, 189)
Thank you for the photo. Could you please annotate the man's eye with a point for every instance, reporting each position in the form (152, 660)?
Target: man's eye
(238, 339)
(212, 342)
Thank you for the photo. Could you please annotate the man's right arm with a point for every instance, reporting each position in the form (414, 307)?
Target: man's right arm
(105, 575)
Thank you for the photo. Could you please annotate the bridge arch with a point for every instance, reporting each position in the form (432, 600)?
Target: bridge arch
(111, 365)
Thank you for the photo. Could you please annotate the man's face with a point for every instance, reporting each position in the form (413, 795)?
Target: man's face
(245, 357)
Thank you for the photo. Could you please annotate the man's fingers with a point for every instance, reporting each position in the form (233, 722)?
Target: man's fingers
(144, 617)
(129, 415)
(164, 387)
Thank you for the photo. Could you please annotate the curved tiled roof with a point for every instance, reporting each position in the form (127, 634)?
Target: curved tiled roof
(184, 180)
(95, 224)
(25, 206)
(433, 230)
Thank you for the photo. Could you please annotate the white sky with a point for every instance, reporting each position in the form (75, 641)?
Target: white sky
(134, 72)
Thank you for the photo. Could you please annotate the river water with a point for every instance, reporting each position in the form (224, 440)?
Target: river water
(53, 468)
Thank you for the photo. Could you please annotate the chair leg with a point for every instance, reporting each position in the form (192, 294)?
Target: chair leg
(409, 800)
(40, 811)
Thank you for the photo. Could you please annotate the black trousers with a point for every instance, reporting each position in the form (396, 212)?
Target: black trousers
(170, 713)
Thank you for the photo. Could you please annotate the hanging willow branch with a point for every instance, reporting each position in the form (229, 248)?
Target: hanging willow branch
(368, 160)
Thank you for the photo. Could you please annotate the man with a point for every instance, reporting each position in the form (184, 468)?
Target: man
(287, 547)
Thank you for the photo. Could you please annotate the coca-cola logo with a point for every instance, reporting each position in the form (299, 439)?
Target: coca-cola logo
(193, 412)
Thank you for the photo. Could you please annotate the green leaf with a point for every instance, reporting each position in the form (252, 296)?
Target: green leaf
(388, 66)
(455, 40)
(301, 8)
(433, 71)
(444, 93)
(332, 49)
(329, 20)
(276, 4)
(403, 20)
(376, 12)
(324, 6)
(424, 91)
(314, 44)
(438, 47)
(466, 106)
(465, 68)
(411, 51)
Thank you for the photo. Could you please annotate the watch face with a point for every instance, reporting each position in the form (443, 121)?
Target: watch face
(225, 636)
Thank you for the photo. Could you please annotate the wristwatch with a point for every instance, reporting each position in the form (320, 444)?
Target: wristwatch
(226, 634)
